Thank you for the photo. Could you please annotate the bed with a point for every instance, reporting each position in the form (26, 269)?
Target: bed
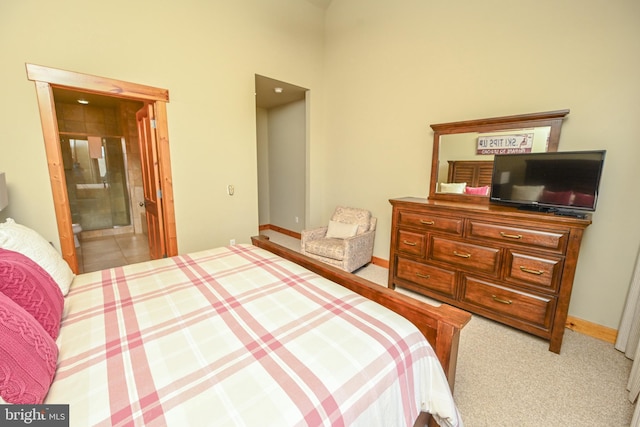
(250, 335)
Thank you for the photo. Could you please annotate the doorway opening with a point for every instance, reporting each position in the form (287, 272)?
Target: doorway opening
(102, 166)
(47, 81)
(282, 141)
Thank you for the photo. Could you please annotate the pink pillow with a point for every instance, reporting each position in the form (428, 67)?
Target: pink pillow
(478, 191)
(584, 200)
(557, 197)
(28, 356)
(32, 288)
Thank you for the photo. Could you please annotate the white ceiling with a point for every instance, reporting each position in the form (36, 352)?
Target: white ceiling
(266, 96)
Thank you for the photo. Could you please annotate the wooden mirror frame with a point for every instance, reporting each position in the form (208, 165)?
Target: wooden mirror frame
(550, 118)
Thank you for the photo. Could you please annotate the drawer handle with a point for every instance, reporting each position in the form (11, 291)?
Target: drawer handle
(500, 300)
(425, 222)
(423, 276)
(531, 271)
(406, 242)
(456, 253)
(511, 236)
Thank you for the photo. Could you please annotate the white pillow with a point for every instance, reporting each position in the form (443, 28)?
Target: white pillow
(526, 192)
(453, 187)
(18, 238)
(341, 230)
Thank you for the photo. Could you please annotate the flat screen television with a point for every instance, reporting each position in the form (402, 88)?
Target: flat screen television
(562, 182)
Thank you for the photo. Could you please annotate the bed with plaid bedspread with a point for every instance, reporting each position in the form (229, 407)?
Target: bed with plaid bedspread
(238, 336)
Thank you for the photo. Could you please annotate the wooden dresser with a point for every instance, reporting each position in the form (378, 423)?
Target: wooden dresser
(513, 266)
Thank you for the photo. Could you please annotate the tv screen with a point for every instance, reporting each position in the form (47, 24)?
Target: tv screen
(548, 182)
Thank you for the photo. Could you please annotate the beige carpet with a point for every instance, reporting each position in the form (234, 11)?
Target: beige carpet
(508, 378)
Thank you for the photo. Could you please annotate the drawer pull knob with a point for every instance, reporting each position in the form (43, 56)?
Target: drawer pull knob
(531, 271)
(423, 276)
(406, 242)
(425, 222)
(456, 253)
(511, 236)
(500, 300)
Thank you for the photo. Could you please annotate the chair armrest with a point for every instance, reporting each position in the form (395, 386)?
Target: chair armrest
(312, 234)
(359, 249)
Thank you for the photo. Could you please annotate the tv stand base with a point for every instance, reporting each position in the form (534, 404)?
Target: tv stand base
(536, 208)
(555, 211)
(572, 214)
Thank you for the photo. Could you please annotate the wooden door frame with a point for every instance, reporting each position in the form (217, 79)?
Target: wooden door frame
(45, 79)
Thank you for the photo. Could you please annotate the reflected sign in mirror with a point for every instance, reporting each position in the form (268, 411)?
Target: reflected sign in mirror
(481, 147)
(463, 152)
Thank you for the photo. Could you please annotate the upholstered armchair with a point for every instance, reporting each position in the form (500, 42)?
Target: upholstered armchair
(347, 242)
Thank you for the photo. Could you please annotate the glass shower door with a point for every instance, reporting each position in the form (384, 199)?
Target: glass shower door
(96, 172)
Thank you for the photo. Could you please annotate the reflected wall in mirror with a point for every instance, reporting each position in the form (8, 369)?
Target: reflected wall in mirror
(462, 160)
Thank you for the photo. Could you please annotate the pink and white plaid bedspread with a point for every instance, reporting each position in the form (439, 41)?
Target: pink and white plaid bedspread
(238, 336)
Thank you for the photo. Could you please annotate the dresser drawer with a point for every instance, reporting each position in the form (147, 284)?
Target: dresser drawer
(434, 278)
(466, 255)
(552, 240)
(533, 270)
(521, 306)
(430, 222)
(411, 243)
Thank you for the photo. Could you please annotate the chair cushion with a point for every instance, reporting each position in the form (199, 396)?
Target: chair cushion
(340, 230)
(328, 248)
(362, 217)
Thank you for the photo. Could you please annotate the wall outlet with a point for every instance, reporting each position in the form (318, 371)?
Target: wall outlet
(297, 220)
(232, 242)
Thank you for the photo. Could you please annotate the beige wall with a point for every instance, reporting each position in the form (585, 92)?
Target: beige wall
(393, 68)
(262, 140)
(287, 141)
(379, 72)
(205, 53)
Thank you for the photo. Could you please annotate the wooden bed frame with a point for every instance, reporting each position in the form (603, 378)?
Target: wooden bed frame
(440, 325)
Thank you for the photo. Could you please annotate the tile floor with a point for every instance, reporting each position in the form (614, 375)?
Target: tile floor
(98, 253)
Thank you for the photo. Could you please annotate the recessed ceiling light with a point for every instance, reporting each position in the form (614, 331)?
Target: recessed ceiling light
(83, 101)
(278, 89)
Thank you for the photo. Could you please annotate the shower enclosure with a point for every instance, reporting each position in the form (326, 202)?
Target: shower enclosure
(96, 174)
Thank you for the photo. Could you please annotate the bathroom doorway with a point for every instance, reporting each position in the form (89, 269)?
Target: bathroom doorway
(103, 176)
(47, 80)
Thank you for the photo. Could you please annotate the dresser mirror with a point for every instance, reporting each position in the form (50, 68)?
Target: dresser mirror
(462, 161)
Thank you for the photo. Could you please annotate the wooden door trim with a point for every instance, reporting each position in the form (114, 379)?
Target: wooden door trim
(89, 83)
(166, 180)
(45, 78)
